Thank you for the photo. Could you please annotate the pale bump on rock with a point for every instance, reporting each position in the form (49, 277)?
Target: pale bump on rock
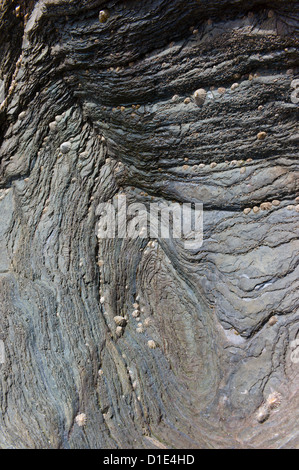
(274, 400)
(266, 206)
(104, 15)
(22, 115)
(247, 210)
(53, 126)
(234, 86)
(262, 135)
(119, 331)
(151, 344)
(275, 202)
(263, 413)
(81, 419)
(120, 321)
(65, 147)
(200, 96)
(273, 320)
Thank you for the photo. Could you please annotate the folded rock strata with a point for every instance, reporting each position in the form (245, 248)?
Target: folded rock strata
(96, 106)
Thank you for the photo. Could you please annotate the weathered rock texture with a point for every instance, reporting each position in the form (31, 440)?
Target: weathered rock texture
(224, 317)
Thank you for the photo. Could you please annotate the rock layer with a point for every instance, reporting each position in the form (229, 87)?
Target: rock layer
(95, 109)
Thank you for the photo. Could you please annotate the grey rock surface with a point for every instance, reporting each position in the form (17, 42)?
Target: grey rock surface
(208, 359)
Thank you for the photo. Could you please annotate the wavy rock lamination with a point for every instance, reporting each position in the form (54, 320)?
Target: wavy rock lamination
(98, 105)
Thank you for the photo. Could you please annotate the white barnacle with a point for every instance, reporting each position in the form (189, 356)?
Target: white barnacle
(65, 147)
(81, 419)
(135, 313)
(22, 115)
(151, 344)
(200, 96)
(119, 331)
(120, 321)
(103, 16)
(263, 413)
(274, 400)
(266, 206)
(53, 126)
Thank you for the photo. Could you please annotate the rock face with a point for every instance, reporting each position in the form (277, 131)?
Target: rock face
(99, 102)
